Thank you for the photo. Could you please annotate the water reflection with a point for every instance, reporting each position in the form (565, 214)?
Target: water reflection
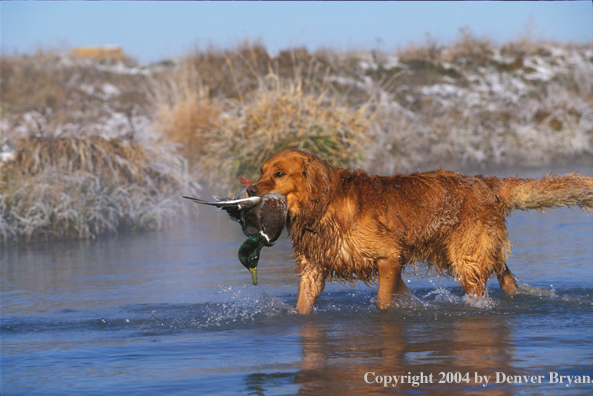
(395, 347)
(337, 356)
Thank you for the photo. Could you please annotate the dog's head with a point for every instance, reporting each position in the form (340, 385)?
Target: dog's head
(306, 181)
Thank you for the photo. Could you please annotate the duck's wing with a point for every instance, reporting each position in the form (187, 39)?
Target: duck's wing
(232, 206)
(224, 203)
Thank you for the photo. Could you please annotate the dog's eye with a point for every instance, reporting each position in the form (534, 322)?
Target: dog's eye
(279, 174)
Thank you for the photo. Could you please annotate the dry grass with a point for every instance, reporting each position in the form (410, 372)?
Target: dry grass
(282, 114)
(230, 110)
(84, 186)
(414, 52)
(468, 48)
(56, 90)
(121, 160)
(184, 113)
(233, 73)
(80, 205)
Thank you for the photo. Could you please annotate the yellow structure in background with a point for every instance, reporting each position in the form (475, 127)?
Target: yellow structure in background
(102, 53)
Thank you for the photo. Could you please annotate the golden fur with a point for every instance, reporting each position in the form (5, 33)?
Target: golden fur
(350, 225)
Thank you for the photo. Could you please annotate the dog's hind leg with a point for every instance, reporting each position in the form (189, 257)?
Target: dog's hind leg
(391, 283)
(507, 281)
(471, 278)
(478, 249)
(472, 269)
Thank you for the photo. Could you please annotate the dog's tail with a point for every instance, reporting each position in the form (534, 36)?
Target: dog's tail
(551, 191)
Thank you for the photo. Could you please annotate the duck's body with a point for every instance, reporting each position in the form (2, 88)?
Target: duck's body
(267, 218)
(262, 219)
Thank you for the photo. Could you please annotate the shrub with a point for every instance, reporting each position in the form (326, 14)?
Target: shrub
(84, 186)
(283, 115)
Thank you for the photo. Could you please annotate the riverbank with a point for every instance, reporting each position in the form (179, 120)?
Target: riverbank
(98, 145)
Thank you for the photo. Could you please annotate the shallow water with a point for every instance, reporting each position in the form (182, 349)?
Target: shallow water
(175, 313)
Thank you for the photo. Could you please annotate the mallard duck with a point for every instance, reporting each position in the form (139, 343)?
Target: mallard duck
(262, 220)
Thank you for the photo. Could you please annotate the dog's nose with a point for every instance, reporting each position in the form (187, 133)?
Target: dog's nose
(252, 191)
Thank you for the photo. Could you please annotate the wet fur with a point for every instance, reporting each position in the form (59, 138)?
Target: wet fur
(350, 225)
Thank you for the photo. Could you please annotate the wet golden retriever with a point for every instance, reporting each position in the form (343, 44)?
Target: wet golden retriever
(349, 225)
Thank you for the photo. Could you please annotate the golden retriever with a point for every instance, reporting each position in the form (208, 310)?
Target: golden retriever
(348, 225)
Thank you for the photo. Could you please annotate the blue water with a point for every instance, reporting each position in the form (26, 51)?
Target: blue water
(175, 313)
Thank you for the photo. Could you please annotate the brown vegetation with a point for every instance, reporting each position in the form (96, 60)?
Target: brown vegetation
(283, 115)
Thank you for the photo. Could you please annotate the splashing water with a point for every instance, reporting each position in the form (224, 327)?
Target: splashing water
(527, 289)
(242, 305)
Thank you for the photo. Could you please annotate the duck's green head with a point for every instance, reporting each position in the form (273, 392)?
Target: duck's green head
(249, 253)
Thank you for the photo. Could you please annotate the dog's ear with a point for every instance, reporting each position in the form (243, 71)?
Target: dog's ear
(318, 177)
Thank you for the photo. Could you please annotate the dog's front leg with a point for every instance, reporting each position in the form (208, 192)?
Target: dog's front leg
(311, 285)
(390, 283)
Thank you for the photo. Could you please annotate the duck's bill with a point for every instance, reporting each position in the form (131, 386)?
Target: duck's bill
(226, 203)
(253, 275)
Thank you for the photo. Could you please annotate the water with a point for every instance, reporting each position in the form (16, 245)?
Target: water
(174, 313)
